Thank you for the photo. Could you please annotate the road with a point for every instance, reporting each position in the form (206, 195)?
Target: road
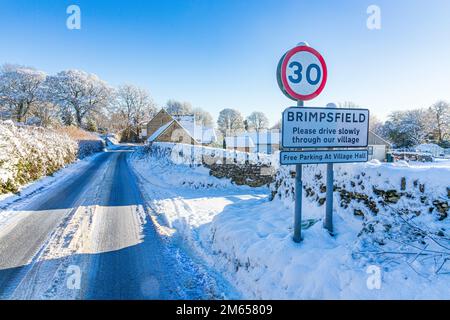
(90, 237)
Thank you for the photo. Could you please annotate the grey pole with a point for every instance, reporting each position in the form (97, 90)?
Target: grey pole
(329, 197)
(298, 198)
(329, 200)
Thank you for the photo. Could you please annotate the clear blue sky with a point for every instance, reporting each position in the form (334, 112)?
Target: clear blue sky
(223, 53)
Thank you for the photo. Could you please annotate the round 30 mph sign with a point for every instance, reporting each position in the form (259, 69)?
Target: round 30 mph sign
(302, 73)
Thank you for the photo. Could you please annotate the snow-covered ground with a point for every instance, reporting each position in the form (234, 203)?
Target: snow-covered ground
(248, 238)
(437, 163)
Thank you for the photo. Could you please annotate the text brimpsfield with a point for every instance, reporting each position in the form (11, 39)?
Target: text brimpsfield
(322, 116)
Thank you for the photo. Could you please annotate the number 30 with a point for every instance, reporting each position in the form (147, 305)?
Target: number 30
(298, 73)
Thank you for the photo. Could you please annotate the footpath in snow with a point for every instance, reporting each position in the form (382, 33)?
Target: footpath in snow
(247, 237)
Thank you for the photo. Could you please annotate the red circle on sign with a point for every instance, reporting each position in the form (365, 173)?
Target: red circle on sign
(285, 82)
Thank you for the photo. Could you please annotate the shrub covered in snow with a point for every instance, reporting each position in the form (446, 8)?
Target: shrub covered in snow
(88, 143)
(28, 153)
(89, 147)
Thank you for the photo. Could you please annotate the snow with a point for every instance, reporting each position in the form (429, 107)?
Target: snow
(105, 233)
(248, 238)
(196, 155)
(200, 133)
(431, 148)
(11, 203)
(27, 153)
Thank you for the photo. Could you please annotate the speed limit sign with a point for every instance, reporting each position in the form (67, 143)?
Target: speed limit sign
(302, 73)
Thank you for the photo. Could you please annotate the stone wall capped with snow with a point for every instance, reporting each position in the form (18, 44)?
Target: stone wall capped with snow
(372, 187)
(242, 168)
(402, 208)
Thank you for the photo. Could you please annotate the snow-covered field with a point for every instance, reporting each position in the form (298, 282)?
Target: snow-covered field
(242, 234)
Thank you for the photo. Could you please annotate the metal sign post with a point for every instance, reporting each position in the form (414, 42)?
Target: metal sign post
(330, 189)
(298, 198)
(329, 199)
(301, 76)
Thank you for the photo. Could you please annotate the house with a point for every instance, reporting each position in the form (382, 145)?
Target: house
(378, 147)
(180, 129)
(256, 142)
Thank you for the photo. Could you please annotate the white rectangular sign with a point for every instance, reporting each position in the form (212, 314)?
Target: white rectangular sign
(323, 156)
(310, 127)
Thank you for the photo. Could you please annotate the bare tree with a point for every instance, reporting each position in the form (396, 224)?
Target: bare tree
(375, 125)
(257, 121)
(230, 121)
(20, 89)
(46, 113)
(203, 117)
(78, 92)
(178, 108)
(134, 106)
(440, 120)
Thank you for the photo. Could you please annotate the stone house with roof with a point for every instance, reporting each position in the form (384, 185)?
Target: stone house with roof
(179, 129)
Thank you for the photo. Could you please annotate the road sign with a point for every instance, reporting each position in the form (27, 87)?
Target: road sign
(302, 73)
(312, 127)
(323, 156)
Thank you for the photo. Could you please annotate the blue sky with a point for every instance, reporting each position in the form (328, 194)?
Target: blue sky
(223, 53)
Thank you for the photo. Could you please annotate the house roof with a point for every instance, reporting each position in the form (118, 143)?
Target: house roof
(375, 139)
(158, 132)
(200, 134)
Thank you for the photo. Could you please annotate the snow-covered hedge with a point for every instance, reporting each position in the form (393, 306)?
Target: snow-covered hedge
(88, 143)
(28, 153)
(89, 147)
